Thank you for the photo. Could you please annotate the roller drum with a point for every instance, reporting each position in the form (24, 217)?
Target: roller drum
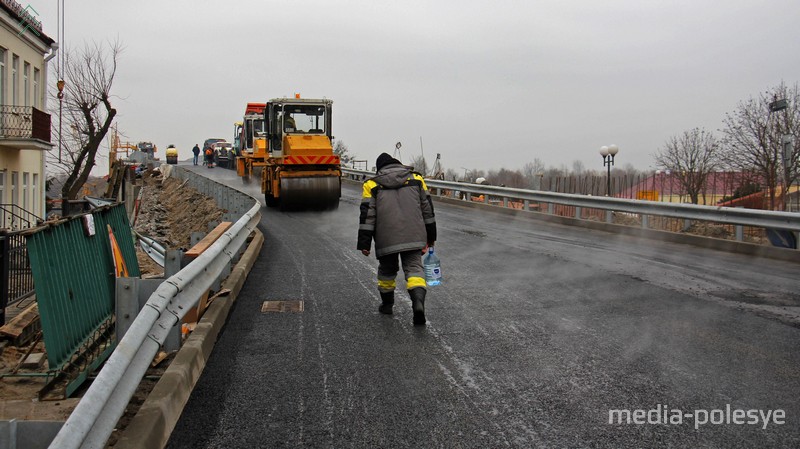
(317, 193)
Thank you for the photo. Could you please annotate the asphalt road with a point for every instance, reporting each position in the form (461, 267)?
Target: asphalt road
(536, 334)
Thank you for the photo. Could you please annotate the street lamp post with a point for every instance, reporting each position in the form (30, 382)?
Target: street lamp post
(788, 144)
(608, 153)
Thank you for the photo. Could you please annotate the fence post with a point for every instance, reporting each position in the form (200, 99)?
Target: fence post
(4, 276)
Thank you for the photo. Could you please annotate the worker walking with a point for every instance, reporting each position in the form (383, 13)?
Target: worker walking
(196, 151)
(209, 157)
(397, 212)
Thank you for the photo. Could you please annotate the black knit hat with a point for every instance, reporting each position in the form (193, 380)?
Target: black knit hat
(383, 160)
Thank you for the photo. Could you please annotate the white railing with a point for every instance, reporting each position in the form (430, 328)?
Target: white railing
(789, 221)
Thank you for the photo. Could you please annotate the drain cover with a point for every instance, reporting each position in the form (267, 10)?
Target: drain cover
(282, 306)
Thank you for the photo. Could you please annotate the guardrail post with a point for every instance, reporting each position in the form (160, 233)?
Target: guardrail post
(645, 221)
(739, 233)
(486, 198)
(609, 216)
(172, 264)
(505, 201)
(131, 295)
(195, 237)
(526, 205)
(578, 212)
(551, 208)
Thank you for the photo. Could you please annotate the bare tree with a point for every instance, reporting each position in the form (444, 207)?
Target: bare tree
(533, 172)
(690, 157)
(451, 175)
(507, 178)
(753, 137)
(341, 150)
(87, 112)
(419, 164)
(578, 167)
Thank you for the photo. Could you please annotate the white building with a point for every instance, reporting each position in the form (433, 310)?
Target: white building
(24, 126)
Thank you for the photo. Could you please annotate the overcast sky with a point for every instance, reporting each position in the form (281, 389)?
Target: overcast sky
(486, 84)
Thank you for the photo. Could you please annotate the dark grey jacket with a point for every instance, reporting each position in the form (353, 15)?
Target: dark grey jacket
(397, 211)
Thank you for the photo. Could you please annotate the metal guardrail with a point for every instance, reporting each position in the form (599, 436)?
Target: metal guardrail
(789, 221)
(95, 416)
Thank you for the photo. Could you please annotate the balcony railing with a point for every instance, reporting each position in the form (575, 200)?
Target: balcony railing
(15, 218)
(24, 122)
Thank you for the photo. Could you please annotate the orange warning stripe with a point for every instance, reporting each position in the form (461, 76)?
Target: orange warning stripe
(307, 160)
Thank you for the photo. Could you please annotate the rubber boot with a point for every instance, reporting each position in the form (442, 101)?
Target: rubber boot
(387, 302)
(418, 305)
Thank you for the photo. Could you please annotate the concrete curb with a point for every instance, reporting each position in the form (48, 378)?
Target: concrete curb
(155, 420)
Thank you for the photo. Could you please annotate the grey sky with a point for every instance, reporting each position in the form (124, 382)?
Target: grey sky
(486, 84)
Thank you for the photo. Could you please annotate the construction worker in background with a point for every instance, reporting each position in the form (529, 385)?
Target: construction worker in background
(397, 212)
(209, 157)
(196, 151)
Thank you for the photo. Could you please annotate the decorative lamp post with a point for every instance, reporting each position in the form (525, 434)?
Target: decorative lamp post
(608, 153)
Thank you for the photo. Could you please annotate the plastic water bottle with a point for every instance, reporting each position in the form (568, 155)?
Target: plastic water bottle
(433, 269)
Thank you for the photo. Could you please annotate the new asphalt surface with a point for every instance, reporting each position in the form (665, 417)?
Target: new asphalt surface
(539, 336)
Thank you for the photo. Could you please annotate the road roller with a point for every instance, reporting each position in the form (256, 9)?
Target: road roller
(301, 171)
(251, 142)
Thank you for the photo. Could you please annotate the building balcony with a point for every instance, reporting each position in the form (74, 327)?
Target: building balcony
(24, 128)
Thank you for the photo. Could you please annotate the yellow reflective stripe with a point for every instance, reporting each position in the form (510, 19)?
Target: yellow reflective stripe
(387, 285)
(368, 186)
(422, 180)
(415, 281)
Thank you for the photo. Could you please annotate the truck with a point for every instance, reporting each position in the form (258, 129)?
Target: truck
(299, 169)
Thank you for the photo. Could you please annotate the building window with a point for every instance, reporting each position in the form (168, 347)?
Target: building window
(26, 84)
(14, 187)
(15, 80)
(3, 197)
(34, 194)
(37, 97)
(2, 76)
(25, 177)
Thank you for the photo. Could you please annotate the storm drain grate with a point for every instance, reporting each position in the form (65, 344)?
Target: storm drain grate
(282, 306)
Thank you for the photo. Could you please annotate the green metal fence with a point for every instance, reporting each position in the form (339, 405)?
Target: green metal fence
(74, 277)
